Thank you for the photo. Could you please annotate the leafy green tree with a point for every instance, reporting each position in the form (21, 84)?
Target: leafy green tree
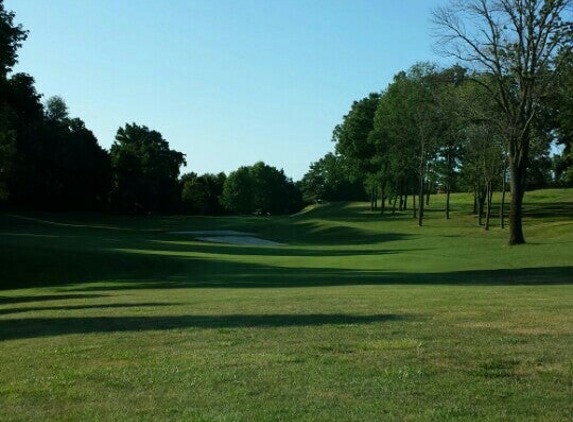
(194, 194)
(353, 144)
(11, 38)
(56, 110)
(238, 192)
(7, 153)
(516, 43)
(145, 170)
(327, 180)
(411, 120)
(201, 194)
(23, 122)
(85, 168)
(260, 189)
(563, 121)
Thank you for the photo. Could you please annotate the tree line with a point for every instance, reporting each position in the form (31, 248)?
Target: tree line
(52, 161)
(481, 125)
(474, 126)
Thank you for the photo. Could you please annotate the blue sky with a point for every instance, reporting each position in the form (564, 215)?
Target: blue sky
(227, 82)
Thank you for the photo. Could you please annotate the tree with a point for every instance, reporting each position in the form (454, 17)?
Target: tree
(145, 169)
(563, 122)
(260, 189)
(352, 140)
(516, 43)
(201, 194)
(23, 120)
(56, 109)
(11, 38)
(7, 153)
(327, 180)
(238, 192)
(84, 168)
(411, 120)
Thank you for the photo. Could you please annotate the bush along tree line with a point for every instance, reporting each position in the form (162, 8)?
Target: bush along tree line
(492, 119)
(51, 161)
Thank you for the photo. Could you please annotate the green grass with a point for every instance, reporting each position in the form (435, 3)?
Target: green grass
(358, 318)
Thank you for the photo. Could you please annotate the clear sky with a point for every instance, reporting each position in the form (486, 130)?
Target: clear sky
(227, 82)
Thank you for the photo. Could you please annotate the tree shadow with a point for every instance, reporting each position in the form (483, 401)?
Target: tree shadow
(10, 300)
(140, 264)
(85, 257)
(12, 329)
(152, 259)
(103, 306)
(560, 211)
(229, 275)
(247, 250)
(318, 234)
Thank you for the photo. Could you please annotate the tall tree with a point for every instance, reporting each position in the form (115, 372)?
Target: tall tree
(260, 188)
(328, 180)
(201, 194)
(563, 122)
(516, 42)
(352, 140)
(145, 169)
(11, 38)
(410, 118)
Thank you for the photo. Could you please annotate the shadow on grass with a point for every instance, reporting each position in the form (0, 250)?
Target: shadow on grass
(155, 260)
(10, 300)
(225, 275)
(289, 251)
(563, 210)
(168, 268)
(103, 306)
(12, 329)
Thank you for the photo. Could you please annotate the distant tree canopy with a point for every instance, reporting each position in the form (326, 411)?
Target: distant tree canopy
(328, 180)
(201, 194)
(260, 189)
(145, 170)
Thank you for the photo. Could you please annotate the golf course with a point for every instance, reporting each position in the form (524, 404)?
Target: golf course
(340, 315)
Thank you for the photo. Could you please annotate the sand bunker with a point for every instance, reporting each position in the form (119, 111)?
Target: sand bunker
(232, 237)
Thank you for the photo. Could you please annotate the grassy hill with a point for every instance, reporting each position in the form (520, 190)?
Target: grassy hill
(357, 317)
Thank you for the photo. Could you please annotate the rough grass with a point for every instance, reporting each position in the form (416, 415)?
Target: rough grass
(359, 317)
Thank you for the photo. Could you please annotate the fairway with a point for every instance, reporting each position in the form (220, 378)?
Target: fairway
(354, 317)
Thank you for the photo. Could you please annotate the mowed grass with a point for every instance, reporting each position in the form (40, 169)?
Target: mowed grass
(357, 318)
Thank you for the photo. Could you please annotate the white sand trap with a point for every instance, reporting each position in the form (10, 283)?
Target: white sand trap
(239, 240)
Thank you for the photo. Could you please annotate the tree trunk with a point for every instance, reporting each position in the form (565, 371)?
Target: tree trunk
(489, 197)
(414, 209)
(502, 205)
(394, 205)
(371, 200)
(382, 199)
(421, 201)
(482, 193)
(517, 175)
(448, 194)
(428, 191)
